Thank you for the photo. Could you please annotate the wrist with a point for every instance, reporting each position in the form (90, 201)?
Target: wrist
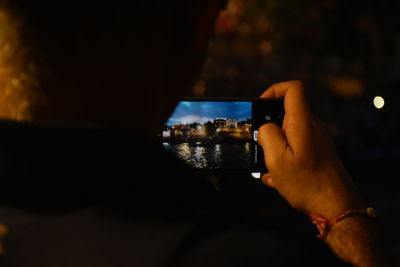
(339, 198)
(325, 224)
(358, 240)
(344, 204)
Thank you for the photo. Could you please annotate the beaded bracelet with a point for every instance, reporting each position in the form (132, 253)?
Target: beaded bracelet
(324, 224)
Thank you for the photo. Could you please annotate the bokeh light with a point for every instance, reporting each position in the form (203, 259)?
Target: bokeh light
(18, 70)
(379, 102)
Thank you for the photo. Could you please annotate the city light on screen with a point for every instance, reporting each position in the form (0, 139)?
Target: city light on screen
(203, 111)
(211, 134)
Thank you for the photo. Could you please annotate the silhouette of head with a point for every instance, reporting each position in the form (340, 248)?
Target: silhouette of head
(106, 63)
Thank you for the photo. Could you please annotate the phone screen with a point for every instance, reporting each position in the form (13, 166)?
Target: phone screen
(216, 134)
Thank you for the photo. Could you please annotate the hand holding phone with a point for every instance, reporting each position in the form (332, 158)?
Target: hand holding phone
(307, 171)
(303, 163)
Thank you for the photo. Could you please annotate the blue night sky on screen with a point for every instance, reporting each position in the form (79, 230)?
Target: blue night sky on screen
(187, 112)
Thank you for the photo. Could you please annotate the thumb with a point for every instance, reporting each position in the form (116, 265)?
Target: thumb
(273, 141)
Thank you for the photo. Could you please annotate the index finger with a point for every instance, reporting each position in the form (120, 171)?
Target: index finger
(293, 94)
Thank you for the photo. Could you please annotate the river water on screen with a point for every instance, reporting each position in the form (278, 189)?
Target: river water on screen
(213, 156)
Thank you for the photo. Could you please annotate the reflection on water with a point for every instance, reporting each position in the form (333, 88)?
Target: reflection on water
(184, 151)
(199, 158)
(213, 157)
(247, 147)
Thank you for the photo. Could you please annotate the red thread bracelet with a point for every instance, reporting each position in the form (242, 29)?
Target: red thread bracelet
(324, 224)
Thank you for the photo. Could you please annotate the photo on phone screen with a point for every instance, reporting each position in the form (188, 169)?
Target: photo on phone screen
(217, 134)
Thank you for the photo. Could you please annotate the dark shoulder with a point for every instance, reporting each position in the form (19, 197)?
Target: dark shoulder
(60, 166)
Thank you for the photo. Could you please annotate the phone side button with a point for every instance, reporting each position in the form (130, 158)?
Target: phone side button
(255, 135)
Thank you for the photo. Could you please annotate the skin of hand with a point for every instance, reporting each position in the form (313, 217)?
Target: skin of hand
(303, 164)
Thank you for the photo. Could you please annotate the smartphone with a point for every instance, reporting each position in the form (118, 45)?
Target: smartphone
(220, 134)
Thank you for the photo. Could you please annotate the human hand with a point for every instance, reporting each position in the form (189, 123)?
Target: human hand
(303, 164)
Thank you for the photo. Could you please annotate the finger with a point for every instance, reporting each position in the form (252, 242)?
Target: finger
(298, 118)
(274, 143)
(294, 94)
(267, 180)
